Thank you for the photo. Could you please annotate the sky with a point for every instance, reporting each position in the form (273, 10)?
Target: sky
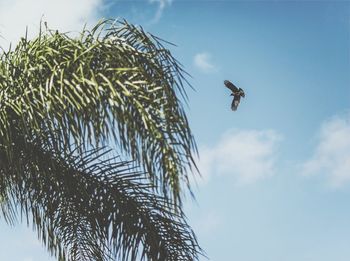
(275, 173)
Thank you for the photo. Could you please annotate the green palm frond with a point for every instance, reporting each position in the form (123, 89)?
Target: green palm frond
(114, 83)
(62, 101)
(92, 207)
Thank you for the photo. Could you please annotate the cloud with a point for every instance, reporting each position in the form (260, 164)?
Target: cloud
(161, 6)
(246, 155)
(64, 15)
(332, 154)
(203, 62)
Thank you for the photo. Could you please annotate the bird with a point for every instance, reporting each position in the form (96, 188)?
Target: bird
(237, 93)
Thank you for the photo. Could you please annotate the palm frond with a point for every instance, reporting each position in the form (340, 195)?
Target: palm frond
(90, 206)
(114, 83)
(62, 101)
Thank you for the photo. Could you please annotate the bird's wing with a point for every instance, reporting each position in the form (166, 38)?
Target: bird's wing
(235, 102)
(231, 86)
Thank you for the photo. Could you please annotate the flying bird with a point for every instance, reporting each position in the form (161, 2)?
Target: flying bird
(237, 93)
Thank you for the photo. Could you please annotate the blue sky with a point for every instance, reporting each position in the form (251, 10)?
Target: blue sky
(276, 173)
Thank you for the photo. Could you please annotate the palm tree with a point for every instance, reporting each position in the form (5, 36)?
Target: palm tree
(95, 146)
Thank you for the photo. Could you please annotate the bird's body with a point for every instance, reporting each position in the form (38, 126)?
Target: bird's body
(237, 93)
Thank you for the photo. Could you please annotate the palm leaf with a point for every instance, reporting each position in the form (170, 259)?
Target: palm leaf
(91, 206)
(116, 83)
(62, 101)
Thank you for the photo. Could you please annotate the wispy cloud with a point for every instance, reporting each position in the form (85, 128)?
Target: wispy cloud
(203, 62)
(162, 4)
(66, 15)
(332, 154)
(246, 155)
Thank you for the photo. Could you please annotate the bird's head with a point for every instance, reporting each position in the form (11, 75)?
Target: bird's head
(241, 92)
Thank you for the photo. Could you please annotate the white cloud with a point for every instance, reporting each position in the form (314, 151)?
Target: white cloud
(332, 154)
(161, 6)
(203, 62)
(246, 155)
(66, 15)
